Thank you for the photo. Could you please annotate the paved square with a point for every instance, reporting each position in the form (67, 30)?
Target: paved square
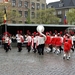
(24, 63)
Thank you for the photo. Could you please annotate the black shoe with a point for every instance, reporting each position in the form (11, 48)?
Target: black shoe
(28, 50)
(63, 57)
(34, 51)
(19, 51)
(39, 53)
(6, 51)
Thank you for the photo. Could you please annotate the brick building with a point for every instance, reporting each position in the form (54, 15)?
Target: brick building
(62, 7)
(27, 8)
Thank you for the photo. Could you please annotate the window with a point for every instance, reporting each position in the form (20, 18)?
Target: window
(26, 4)
(20, 12)
(54, 13)
(38, 0)
(25, 22)
(60, 20)
(14, 22)
(20, 22)
(33, 22)
(20, 3)
(66, 11)
(43, 6)
(13, 3)
(61, 5)
(26, 13)
(33, 15)
(50, 6)
(32, 5)
(37, 6)
(14, 10)
(59, 12)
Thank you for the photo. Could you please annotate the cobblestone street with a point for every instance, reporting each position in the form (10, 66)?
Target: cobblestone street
(24, 63)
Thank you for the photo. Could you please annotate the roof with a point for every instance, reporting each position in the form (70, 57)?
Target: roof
(47, 25)
(69, 3)
(66, 3)
(54, 4)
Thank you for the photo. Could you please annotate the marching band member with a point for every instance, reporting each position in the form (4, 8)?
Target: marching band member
(58, 43)
(32, 41)
(29, 39)
(35, 41)
(9, 42)
(6, 40)
(20, 40)
(17, 34)
(41, 43)
(48, 42)
(73, 41)
(53, 40)
(66, 50)
(67, 47)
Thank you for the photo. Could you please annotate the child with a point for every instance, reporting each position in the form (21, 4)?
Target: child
(66, 50)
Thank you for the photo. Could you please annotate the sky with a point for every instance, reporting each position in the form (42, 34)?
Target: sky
(49, 1)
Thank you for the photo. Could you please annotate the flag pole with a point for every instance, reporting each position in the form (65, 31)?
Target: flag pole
(5, 15)
(5, 19)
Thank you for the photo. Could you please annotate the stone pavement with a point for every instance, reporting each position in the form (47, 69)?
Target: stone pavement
(24, 63)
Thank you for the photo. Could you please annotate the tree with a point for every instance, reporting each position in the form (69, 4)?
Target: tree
(12, 14)
(28, 17)
(46, 17)
(1, 17)
(71, 16)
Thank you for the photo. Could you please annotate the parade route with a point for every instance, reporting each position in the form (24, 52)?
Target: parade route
(24, 63)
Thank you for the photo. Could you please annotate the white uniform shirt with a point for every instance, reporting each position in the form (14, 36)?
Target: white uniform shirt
(73, 38)
(29, 39)
(18, 39)
(35, 39)
(6, 39)
(41, 40)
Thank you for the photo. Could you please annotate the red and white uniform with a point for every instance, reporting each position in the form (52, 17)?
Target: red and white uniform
(32, 42)
(3, 39)
(70, 42)
(48, 40)
(64, 39)
(20, 39)
(66, 47)
(6, 39)
(29, 39)
(58, 41)
(53, 40)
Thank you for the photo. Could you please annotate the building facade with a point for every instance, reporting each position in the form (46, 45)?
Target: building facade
(27, 9)
(62, 7)
(34, 6)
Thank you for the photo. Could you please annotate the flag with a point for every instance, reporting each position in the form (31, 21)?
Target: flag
(5, 15)
(65, 20)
